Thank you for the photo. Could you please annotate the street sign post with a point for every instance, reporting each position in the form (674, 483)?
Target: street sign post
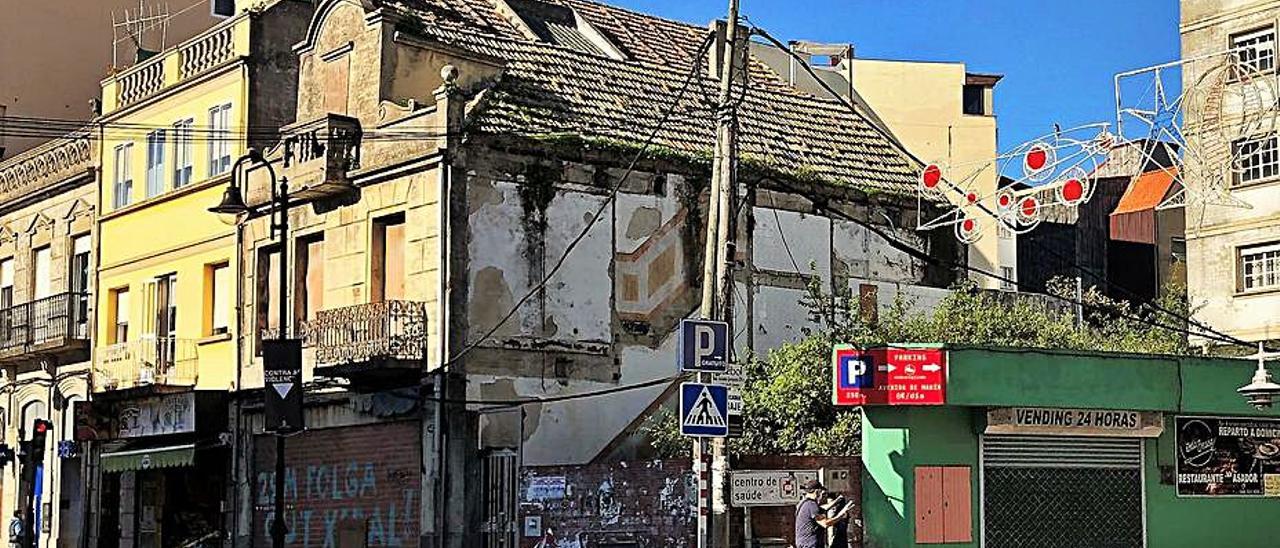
(704, 410)
(704, 346)
(735, 379)
(768, 487)
(282, 384)
(888, 376)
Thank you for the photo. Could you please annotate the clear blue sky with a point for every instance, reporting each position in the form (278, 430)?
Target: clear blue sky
(1058, 56)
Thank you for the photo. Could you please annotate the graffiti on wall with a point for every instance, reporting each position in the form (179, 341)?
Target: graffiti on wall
(334, 488)
(646, 504)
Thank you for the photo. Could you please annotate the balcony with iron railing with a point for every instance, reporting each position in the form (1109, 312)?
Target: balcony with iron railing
(383, 337)
(182, 63)
(54, 328)
(157, 364)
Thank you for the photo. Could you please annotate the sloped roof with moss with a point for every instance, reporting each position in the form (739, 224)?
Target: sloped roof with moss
(549, 88)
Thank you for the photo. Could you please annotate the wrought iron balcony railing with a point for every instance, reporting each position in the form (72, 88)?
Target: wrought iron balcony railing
(370, 335)
(149, 361)
(57, 325)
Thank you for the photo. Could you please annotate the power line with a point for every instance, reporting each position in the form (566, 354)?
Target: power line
(604, 204)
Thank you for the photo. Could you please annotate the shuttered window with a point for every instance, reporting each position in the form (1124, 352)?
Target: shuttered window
(1061, 452)
(1039, 490)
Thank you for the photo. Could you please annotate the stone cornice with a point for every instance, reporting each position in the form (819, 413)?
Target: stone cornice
(45, 166)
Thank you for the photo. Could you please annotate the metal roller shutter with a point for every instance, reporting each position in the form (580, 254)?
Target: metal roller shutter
(1062, 492)
(1061, 452)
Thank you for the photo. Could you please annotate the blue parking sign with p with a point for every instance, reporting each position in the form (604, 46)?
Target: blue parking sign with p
(704, 346)
(853, 369)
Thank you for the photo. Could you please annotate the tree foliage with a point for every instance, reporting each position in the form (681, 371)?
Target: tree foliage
(787, 399)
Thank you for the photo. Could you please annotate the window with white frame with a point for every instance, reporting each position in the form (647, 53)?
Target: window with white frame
(1009, 283)
(1256, 49)
(123, 184)
(219, 139)
(1260, 267)
(1257, 159)
(182, 152)
(155, 163)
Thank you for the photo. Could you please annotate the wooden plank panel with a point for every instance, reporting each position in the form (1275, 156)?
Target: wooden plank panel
(928, 502)
(957, 509)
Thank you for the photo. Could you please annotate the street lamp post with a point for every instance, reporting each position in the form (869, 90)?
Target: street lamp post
(1262, 391)
(233, 208)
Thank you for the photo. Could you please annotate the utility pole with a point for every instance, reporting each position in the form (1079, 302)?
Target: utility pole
(717, 281)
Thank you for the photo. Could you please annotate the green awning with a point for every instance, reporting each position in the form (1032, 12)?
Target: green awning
(148, 459)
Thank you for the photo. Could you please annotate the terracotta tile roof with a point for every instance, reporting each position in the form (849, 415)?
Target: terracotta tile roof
(551, 89)
(1146, 191)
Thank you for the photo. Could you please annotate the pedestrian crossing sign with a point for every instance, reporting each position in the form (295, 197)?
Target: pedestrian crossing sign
(704, 410)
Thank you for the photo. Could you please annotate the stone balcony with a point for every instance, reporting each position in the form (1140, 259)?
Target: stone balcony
(54, 328)
(316, 157)
(374, 338)
(150, 364)
(212, 49)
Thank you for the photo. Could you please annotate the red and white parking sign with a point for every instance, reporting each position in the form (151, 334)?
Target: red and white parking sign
(889, 376)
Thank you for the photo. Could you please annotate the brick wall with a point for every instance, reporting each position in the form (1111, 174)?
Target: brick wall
(779, 522)
(637, 504)
(346, 481)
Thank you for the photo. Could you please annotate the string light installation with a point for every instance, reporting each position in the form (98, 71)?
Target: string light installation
(1054, 171)
(1217, 133)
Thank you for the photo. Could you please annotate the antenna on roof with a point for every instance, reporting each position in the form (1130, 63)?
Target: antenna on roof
(134, 26)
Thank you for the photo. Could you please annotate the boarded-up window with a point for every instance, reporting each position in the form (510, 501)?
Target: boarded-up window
(268, 291)
(218, 299)
(943, 504)
(336, 68)
(388, 258)
(310, 272)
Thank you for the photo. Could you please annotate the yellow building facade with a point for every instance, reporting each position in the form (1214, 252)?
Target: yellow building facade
(165, 338)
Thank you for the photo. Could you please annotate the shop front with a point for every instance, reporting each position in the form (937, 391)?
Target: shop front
(163, 463)
(1046, 448)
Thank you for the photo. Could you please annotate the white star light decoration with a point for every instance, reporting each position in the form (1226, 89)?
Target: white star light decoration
(1210, 130)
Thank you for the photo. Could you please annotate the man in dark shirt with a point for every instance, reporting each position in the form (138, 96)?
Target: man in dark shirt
(811, 522)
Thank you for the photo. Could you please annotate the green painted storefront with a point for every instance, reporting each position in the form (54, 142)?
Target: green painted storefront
(897, 441)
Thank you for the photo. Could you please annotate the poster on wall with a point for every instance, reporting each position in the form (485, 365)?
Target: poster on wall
(1227, 456)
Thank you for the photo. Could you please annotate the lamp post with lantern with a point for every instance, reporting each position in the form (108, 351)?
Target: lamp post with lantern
(233, 210)
(1262, 391)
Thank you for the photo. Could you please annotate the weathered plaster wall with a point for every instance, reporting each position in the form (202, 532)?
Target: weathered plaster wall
(608, 317)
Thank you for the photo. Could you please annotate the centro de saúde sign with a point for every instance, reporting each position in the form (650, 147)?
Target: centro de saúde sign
(888, 376)
(767, 487)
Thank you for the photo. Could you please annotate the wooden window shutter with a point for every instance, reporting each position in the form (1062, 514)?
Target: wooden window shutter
(957, 512)
(150, 308)
(928, 502)
(944, 510)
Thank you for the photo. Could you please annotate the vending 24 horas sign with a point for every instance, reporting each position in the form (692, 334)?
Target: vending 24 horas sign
(1227, 456)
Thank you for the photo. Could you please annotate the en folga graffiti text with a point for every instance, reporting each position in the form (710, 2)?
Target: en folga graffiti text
(322, 500)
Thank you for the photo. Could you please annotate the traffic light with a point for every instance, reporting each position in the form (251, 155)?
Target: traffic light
(39, 438)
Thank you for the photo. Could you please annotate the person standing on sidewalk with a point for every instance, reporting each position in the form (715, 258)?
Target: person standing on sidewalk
(811, 521)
